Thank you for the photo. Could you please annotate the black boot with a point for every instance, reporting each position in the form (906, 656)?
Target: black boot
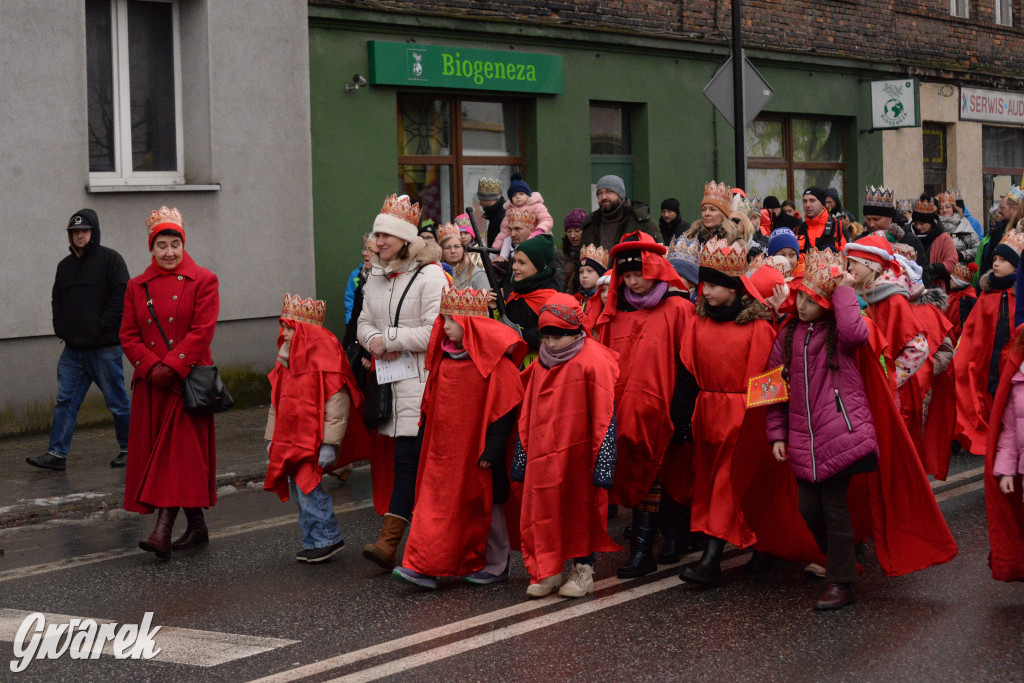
(159, 541)
(641, 547)
(674, 524)
(707, 572)
(196, 534)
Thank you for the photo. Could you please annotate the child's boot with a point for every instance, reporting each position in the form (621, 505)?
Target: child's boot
(580, 583)
(641, 547)
(544, 586)
(707, 572)
(382, 552)
(674, 524)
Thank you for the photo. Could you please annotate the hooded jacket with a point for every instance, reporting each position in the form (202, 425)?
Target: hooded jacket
(88, 293)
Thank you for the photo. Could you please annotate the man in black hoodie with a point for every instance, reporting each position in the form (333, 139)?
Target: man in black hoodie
(88, 300)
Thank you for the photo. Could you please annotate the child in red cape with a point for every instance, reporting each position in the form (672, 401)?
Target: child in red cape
(726, 343)
(643, 321)
(312, 392)
(593, 264)
(934, 386)
(469, 411)
(962, 297)
(1004, 465)
(986, 332)
(565, 456)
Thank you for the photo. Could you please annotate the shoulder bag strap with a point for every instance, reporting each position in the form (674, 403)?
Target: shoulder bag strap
(149, 304)
(398, 310)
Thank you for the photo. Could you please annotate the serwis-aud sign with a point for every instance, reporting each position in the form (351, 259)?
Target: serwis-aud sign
(441, 66)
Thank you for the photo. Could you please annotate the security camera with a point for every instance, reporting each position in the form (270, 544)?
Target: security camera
(357, 83)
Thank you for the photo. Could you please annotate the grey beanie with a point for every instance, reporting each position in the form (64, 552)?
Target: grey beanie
(613, 183)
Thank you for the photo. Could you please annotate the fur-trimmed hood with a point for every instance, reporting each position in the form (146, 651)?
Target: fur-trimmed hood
(985, 281)
(721, 231)
(752, 310)
(420, 254)
(934, 296)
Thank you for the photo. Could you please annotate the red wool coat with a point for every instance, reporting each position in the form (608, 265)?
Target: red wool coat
(171, 454)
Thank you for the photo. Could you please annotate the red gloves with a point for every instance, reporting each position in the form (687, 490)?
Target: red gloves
(163, 376)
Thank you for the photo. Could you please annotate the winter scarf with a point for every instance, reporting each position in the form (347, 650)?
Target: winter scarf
(552, 357)
(648, 300)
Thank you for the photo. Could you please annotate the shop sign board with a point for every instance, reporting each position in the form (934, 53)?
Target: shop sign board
(895, 104)
(994, 106)
(444, 66)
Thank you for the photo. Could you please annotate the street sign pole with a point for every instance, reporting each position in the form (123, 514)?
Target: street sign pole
(738, 116)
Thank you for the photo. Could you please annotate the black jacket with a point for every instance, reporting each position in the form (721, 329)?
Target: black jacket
(635, 216)
(494, 215)
(88, 294)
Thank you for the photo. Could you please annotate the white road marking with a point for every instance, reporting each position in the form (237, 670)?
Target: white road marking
(473, 642)
(441, 631)
(107, 555)
(177, 645)
(445, 651)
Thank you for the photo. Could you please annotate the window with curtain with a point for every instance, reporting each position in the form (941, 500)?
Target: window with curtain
(787, 154)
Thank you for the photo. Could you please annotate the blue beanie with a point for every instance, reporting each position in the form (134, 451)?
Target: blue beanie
(685, 269)
(518, 185)
(781, 238)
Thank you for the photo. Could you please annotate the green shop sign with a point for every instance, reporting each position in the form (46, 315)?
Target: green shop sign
(443, 66)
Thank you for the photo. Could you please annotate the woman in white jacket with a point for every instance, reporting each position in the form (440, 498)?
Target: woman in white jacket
(405, 273)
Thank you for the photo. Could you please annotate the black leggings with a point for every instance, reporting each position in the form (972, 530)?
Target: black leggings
(407, 462)
(824, 509)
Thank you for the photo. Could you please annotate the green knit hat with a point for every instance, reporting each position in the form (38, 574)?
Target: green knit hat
(540, 250)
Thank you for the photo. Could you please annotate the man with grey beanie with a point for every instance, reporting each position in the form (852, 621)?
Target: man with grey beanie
(616, 215)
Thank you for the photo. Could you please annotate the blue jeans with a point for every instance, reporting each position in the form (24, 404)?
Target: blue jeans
(76, 371)
(316, 516)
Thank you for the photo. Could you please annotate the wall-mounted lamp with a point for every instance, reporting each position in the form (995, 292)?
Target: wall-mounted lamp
(357, 83)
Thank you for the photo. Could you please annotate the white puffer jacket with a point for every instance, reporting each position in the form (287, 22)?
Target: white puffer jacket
(419, 311)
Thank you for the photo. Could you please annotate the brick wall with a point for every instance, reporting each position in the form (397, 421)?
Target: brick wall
(917, 33)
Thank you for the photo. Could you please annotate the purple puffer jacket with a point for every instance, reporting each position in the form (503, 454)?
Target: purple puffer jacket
(841, 430)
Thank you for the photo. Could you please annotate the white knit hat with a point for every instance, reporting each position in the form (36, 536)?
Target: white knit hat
(398, 217)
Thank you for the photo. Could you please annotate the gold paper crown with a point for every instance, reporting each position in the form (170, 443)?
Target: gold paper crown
(878, 196)
(463, 221)
(1014, 240)
(489, 186)
(446, 231)
(521, 217)
(823, 271)
(464, 301)
(163, 216)
(718, 255)
(925, 206)
(750, 205)
(946, 198)
(779, 263)
(717, 193)
(402, 209)
(1016, 194)
(595, 253)
(682, 249)
(303, 310)
(964, 272)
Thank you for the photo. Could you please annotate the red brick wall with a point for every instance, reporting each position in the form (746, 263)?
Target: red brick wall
(919, 34)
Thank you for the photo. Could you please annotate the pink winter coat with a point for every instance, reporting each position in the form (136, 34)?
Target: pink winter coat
(535, 205)
(827, 422)
(1009, 449)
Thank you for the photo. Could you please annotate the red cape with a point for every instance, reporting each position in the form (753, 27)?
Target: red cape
(317, 369)
(731, 451)
(646, 341)
(535, 299)
(933, 437)
(973, 357)
(895, 505)
(566, 413)
(454, 495)
(953, 306)
(1005, 512)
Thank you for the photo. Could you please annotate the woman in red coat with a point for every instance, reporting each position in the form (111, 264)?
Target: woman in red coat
(171, 454)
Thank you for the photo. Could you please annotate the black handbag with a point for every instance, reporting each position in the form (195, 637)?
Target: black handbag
(202, 389)
(378, 406)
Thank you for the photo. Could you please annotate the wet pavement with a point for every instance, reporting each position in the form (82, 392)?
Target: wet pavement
(243, 609)
(30, 495)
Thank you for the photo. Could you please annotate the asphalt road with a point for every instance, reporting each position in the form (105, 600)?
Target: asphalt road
(244, 609)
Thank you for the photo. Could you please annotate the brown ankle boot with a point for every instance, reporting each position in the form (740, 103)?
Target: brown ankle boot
(159, 541)
(196, 533)
(382, 553)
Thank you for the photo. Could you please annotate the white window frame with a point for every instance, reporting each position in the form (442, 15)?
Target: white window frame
(1004, 6)
(123, 173)
(960, 8)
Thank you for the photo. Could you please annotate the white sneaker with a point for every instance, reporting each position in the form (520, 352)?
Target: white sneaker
(580, 583)
(544, 586)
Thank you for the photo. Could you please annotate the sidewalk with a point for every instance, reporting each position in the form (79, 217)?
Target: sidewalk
(89, 484)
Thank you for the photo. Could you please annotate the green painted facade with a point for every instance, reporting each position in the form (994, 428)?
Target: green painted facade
(679, 140)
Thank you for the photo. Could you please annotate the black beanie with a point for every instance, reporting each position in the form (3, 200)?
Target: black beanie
(817, 192)
(771, 202)
(629, 261)
(1007, 253)
(671, 204)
